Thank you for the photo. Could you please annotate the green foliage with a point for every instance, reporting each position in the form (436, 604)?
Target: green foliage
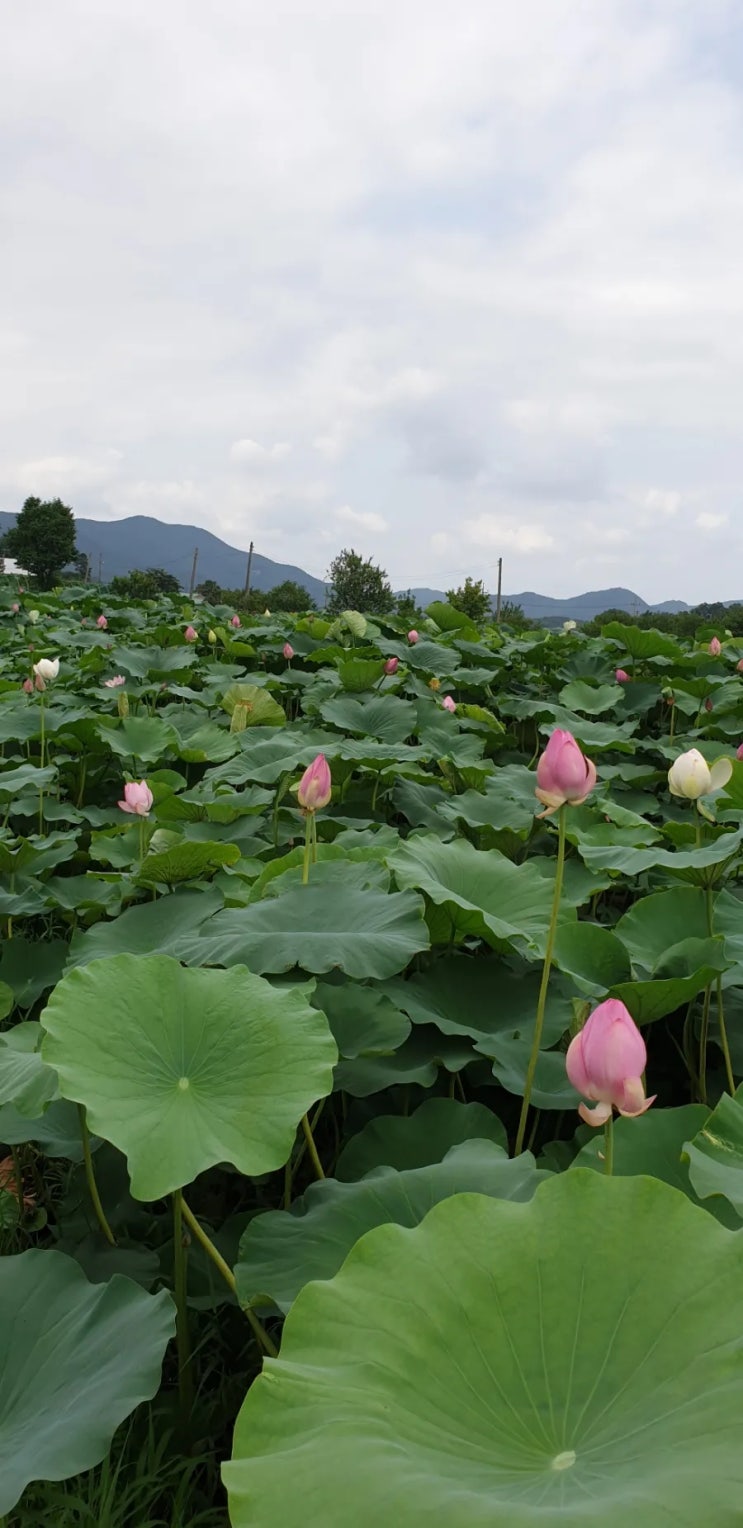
(42, 539)
(472, 599)
(358, 584)
(144, 585)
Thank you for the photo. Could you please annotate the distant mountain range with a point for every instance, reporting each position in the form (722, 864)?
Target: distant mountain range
(117, 546)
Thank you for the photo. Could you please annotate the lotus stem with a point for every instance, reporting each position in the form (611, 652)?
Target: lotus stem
(311, 1147)
(213, 1252)
(183, 1342)
(542, 999)
(609, 1146)
(95, 1197)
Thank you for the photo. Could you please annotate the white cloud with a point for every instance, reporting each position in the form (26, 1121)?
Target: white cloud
(250, 452)
(501, 534)
(708, 522)
(364, 518)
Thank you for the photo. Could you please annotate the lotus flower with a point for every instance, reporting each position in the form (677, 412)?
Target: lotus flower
(449, 704)
(715, 647)
(15, 607)
(605, 1063)
(47, 669)
(739, 666)
(434, 684)
(211, 637)
(563, 774)
(33, 616)
(739, 752)
(569, 625)
(190, 634)
(235, 621)
(708, 704)
(315, 787)
(113, 684)
(266, 611)
(28, 686)
(138, 798)
(391, 665)
(288, 651)
(412, 637)
(691, 777)
(621, 676)
(101, 623)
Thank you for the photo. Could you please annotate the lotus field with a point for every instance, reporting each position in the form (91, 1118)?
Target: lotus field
(372, 1018)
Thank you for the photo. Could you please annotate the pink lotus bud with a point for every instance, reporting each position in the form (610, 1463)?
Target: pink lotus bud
(15, 607)
(390, 666)
(288, 651)
(190, 634)
(28, 686)
(413, 637)
(563, 774)
(113, 684)
(708, 704)
(605, 1063)
(39, 682)
(739, 752)
(101, 623)
(621, 676)
(235, 621)
(449, 704)
(315, 786)
(137, 798)
(715, 647)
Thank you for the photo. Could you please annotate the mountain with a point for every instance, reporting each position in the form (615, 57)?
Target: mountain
(141, 542)
(577, 607)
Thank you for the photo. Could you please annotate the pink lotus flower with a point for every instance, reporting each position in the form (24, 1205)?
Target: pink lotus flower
(138, 798)
(605, 1063)
(739, 752)
(113, 684)
(15, 607)
(449, 704)
(621, 676)
(190, 634)
(739, 665)
(101, 623)
(288, 651)
(39, 682)
(708, 704)
(28, 686)
(715, 647)
(235, 621)
(391, 665)
(315, 787)
(563, 774)
(413, 637)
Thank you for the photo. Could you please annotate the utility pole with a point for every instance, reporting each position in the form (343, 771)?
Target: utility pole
(500, 584)
(192, 584)
(100, 567)
(247, 572)
(88, 563)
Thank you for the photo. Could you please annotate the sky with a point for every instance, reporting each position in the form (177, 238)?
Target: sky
(441, 281)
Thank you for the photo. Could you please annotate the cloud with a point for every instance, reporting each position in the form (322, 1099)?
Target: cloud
(708, 522)
(364, 518)
(496, 291)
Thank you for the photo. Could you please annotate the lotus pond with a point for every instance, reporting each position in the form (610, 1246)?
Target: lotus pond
(295, 1195)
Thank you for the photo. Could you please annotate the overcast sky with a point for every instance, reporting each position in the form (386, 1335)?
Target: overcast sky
(442, 280)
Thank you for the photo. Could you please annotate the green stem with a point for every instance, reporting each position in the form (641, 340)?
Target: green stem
(609, 1146)
(673, 719)
(311, 1147)
(703, 1038)
(720, 1007)
(183, 1342)
(142, 839)
(95, 1197)
(213, 1252)
(41, 756)
(307, 848)
(542, 999)
(314, 839)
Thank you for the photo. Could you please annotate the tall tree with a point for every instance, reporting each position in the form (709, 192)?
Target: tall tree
(42, 539)
(357, 584)
(471, 598)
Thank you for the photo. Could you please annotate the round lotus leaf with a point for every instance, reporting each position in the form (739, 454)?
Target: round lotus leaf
(572, 1360)
(182, 1069)
(75, 1360)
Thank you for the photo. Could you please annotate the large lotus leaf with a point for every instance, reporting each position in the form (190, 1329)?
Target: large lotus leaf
(266, 758)
(591, 699)
(25, 779)
(363, 1021)
(573, 1360)
(715, 1153)
(25, 1079)
(152, 928)
(145, 738)
(414, 1140)
(182, 1069)
(691, 864)
(281, 1251)
(415, 1062)
(592, 955)
(75, 1360)
(358, 674)
(57, 1130)
(655, 923)
(29, 967)
(483, 998)
(186, 860)
(366, 933)
(640, 643)
(260, 709)
(483, 892)
(385, 717)
(654, 1144)
(206, 742)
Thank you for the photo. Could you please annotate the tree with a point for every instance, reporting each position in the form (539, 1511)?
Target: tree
(145, 584)
(43, 539)
(513, 615)
(290, 595)
(407, 608)
(210, 591)
(357, 584)
(472, 599)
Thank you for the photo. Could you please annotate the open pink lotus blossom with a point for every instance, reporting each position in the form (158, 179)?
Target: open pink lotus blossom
(113, 684)
(138, 798)
(315, 787)
(563, 774)
(715, 647)
(288, 651)
(621, 676)
(605, 1063)
(190, 634)
(413, 637)
(391, 665)
(235, 621)
(449, 704)
(101, 623)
